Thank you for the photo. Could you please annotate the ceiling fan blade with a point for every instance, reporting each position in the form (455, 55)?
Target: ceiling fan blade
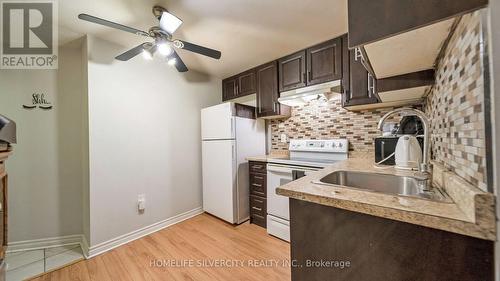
(111, 24)
(179, 64)
(200, 50)
(131, 53)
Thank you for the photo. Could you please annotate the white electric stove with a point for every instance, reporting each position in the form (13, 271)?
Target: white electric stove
(306, 156)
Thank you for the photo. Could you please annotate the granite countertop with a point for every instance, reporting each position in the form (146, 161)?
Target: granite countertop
(265, 158)
(471, 213)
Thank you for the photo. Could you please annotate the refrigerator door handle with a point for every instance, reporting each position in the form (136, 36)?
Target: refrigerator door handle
(233, 133)
(233, 154)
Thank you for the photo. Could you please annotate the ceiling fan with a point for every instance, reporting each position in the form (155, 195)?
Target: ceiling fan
(163, 41)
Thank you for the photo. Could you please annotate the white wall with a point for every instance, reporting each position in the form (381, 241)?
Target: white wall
(144, 129)
(45, 172)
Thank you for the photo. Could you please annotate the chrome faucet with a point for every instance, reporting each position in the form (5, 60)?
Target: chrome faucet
(424, 167)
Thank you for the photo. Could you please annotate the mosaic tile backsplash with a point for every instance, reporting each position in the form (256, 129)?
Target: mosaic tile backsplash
(324, 120)
(456, 105)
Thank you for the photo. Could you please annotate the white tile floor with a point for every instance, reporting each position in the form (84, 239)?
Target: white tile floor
(25, 264)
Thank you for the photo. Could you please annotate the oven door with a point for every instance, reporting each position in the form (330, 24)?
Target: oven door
(278, 175)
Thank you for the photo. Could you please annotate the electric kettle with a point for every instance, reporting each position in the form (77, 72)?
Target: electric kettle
(408, 153)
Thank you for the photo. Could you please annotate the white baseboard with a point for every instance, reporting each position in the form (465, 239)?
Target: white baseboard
(44, 243)
(85, 247)
(131, 236)
(98, 249)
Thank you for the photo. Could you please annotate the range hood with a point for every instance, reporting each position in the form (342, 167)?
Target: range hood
(302, 96)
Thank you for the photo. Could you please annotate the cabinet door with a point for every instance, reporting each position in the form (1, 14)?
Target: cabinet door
(292, 71)
(267, 90)
(229, 89)
(324, 62)
(362, 84)
(246, 83)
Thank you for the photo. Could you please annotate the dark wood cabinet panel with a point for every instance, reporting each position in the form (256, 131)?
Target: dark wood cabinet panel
(405, 81)
(292, 71)
(267, 92)
(324, 62)
(258, 210)
(229, 88)
(246, 83)
(373, 20)
(380, 249)
(258, 192)
(238, 86)
(267, 89)
(258, 185)
(257, 167)
(362, 84)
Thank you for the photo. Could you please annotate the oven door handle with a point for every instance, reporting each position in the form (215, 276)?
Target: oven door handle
(279, 169)
(287, 169)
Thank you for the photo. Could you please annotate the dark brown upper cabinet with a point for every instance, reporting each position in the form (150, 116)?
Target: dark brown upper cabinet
(292, 71)
(267, 92)
(315, 65)
(324, 62)
(229, 88)
(246, 83)
(374, 20)
(238, 86)
(360, 89)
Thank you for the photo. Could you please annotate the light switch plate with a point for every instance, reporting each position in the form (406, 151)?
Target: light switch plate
(283, 138)
(141, 203)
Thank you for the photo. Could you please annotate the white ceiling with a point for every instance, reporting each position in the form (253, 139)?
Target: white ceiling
(247, 32)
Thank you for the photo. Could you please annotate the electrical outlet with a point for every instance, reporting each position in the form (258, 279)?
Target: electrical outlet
(283, 137)
(141, 203)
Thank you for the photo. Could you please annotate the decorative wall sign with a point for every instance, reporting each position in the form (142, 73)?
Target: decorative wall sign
(38, 100)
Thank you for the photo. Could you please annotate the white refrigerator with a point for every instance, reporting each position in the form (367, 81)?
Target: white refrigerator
(227, 140)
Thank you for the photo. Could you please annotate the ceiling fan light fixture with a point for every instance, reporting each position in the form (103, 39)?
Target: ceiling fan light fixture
(169, 22)
(172, 61)
(165, 49)
(147, 55)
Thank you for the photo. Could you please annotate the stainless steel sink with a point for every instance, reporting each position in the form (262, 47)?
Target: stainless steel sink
(388, 184)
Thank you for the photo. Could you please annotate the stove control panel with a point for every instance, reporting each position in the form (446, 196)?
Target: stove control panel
(333, 145)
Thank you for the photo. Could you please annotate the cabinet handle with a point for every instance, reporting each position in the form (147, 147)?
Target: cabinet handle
(358, 55)
(1, 206)
(304, 77)
(257, 185)
(237, 89)
(258, 209)
(259, 201)
(257, 167)
(259, 178)
(309, 76)
(260, 193)
(371, 85)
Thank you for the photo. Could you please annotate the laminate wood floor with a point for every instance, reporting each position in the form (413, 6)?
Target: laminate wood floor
(201, 248)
